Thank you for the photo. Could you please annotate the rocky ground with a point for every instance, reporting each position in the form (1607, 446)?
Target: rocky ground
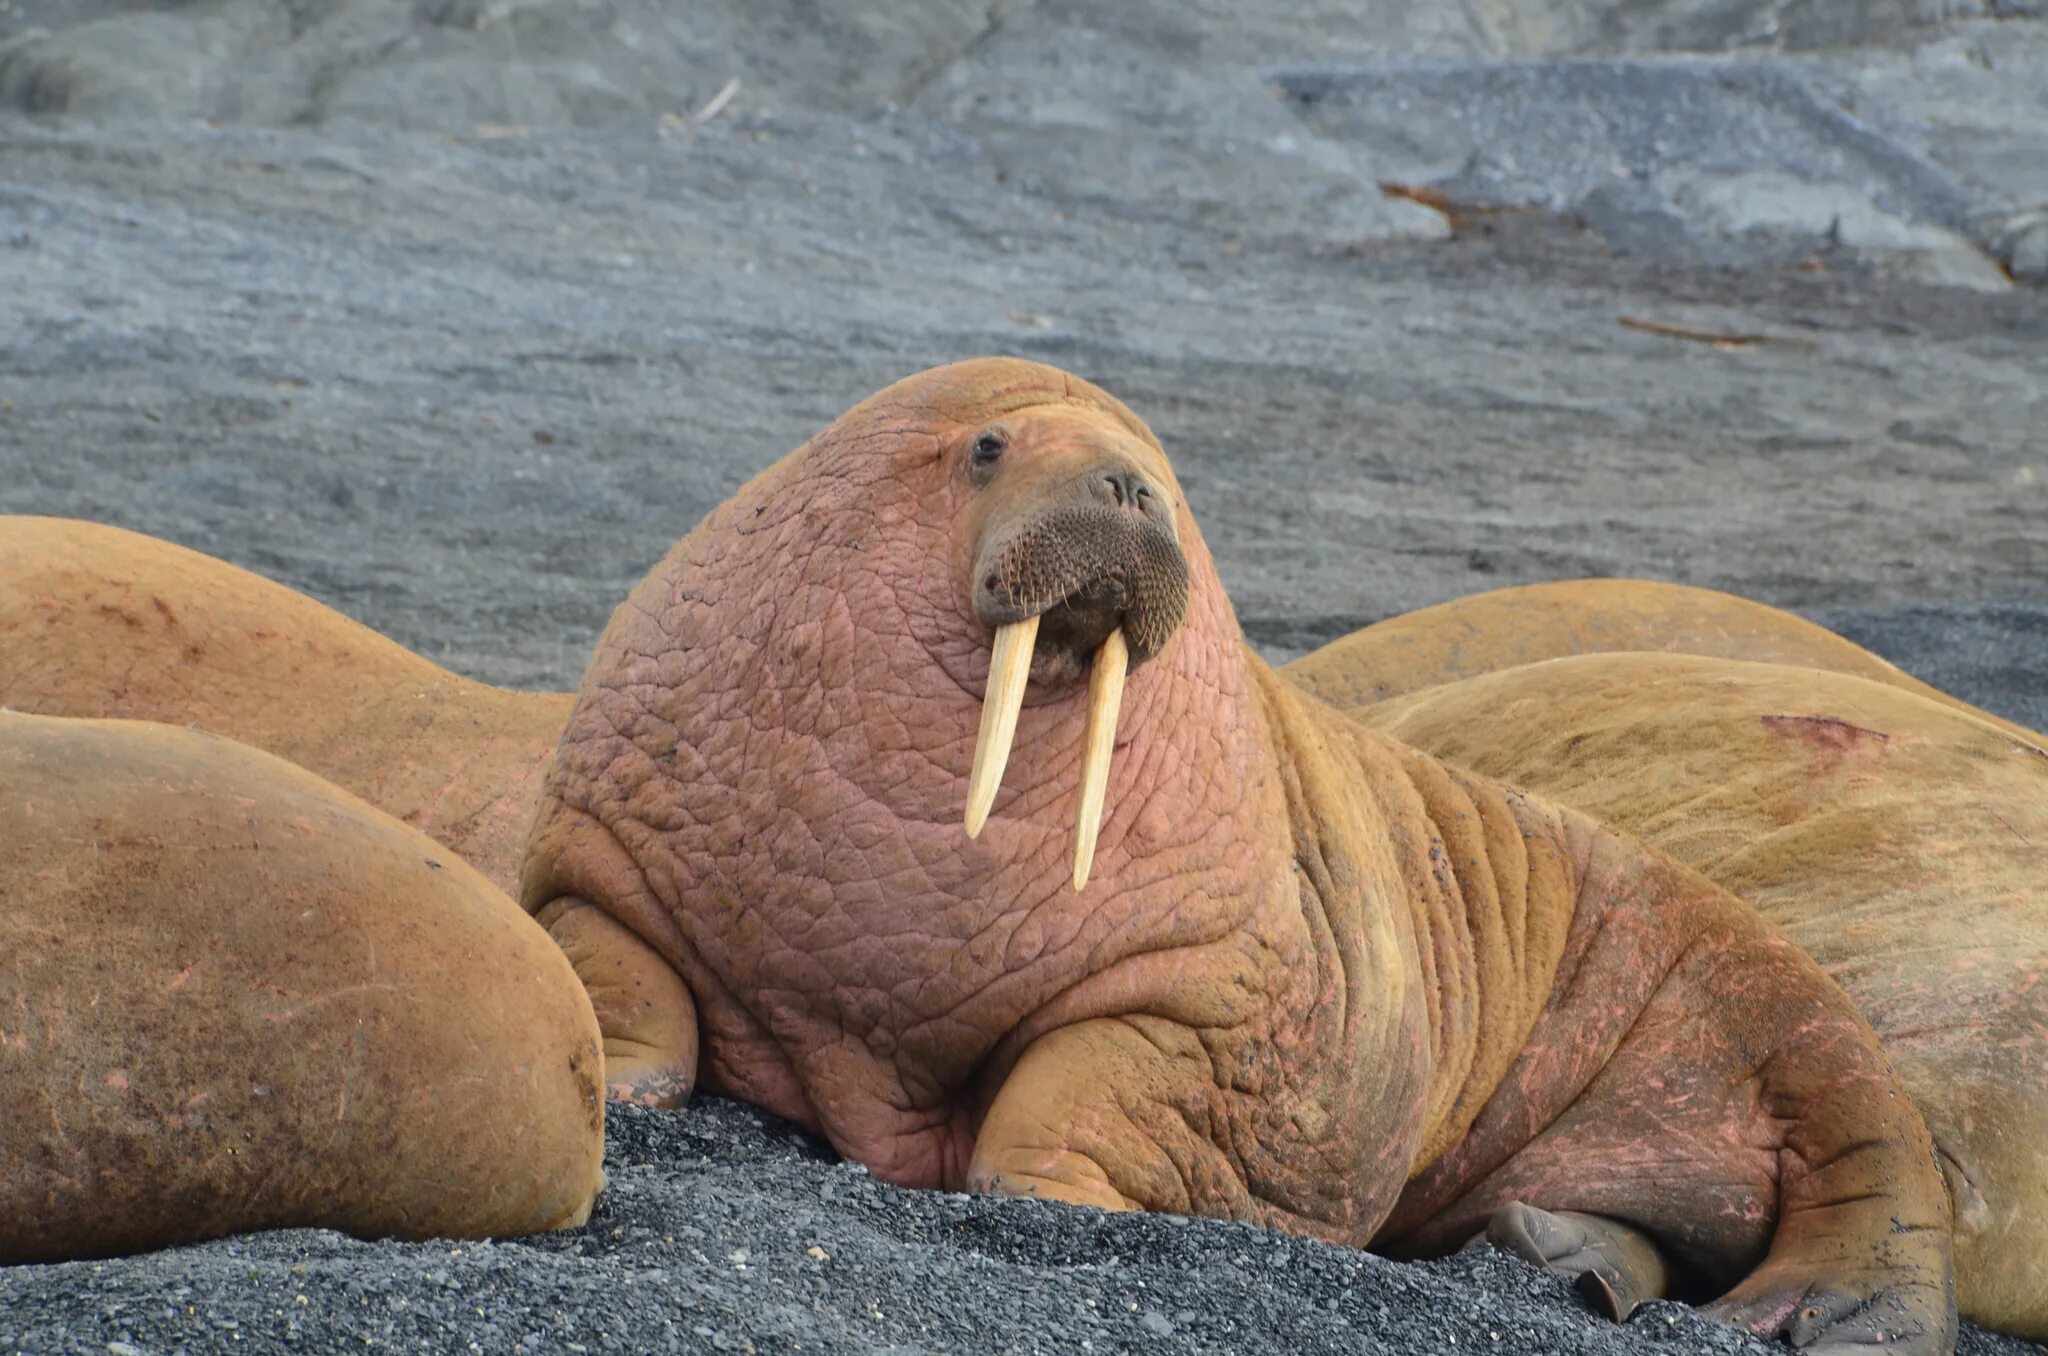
(723, 1231)
(455, 314)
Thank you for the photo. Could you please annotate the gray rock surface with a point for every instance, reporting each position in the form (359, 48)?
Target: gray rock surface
(456, 315)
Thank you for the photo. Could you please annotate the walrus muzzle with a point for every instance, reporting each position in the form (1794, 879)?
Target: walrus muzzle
(1093, 578)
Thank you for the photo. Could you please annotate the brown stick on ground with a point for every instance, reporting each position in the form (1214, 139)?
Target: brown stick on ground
(1718, 338)
(1454, 212)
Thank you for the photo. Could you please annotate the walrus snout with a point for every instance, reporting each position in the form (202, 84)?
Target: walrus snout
(1090, 556)
(1081, 570)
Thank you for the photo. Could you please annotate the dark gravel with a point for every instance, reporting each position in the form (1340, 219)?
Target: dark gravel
(455, 316)
(724, 1230)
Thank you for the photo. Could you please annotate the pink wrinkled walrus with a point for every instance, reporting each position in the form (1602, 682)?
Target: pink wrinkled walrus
(1203, 943)
(1378, 1000)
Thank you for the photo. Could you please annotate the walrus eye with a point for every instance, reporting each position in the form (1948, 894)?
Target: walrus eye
(989, 447)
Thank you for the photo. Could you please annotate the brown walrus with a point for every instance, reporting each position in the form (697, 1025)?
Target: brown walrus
(105, 623)
(1900, 841)
(1316, 979)
(233, 997)
(1508, 627)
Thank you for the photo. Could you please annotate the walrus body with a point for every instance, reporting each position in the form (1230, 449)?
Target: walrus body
(1892, 831)
(105, 623)
(233, 997)
(1901, 842)
(1318, 980)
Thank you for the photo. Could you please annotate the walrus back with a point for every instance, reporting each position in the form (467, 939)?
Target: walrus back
(104, 623)
(1506, 628)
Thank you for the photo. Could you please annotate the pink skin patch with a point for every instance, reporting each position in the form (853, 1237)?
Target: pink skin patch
(1830, 742)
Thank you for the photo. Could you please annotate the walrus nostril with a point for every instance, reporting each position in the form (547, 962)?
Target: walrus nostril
(1126, 488)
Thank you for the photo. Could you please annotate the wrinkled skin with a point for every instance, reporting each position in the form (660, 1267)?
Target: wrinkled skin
(1319, 981)
(1899, 841)
(104, 623)
(233, 997)
(1505, 628)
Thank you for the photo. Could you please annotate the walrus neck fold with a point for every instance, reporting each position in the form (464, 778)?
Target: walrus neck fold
(1418, 869)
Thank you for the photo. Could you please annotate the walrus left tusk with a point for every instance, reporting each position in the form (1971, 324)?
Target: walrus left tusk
(1105, 694)
(1009, 670)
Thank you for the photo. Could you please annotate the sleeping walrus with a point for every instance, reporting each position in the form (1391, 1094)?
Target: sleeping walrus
(1506, 628)
(103, 623)
(233, 997)
(1202, 942)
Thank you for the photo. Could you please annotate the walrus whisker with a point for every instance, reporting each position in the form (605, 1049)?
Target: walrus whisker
(1105, 695)
(1009, 670)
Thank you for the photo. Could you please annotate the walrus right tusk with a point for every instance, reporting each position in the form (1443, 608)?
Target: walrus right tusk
(1009, 670)
(1105, 694)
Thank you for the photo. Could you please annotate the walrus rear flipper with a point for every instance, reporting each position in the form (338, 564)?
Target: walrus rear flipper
(1613, 1266)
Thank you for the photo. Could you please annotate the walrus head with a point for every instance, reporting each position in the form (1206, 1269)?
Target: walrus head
(1076, 564)
(1074, 529)
(931, 607)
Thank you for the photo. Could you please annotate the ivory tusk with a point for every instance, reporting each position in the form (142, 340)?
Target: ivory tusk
(1009, 670)
(1105, 694)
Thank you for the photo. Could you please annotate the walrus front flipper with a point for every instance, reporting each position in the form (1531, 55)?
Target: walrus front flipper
(1613, 1267)
(643, 1008)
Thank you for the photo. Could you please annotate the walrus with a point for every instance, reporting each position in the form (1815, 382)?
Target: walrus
(1901, 842)
(836, 764)
(233, 997)
(105, 623)
(1508, 627)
